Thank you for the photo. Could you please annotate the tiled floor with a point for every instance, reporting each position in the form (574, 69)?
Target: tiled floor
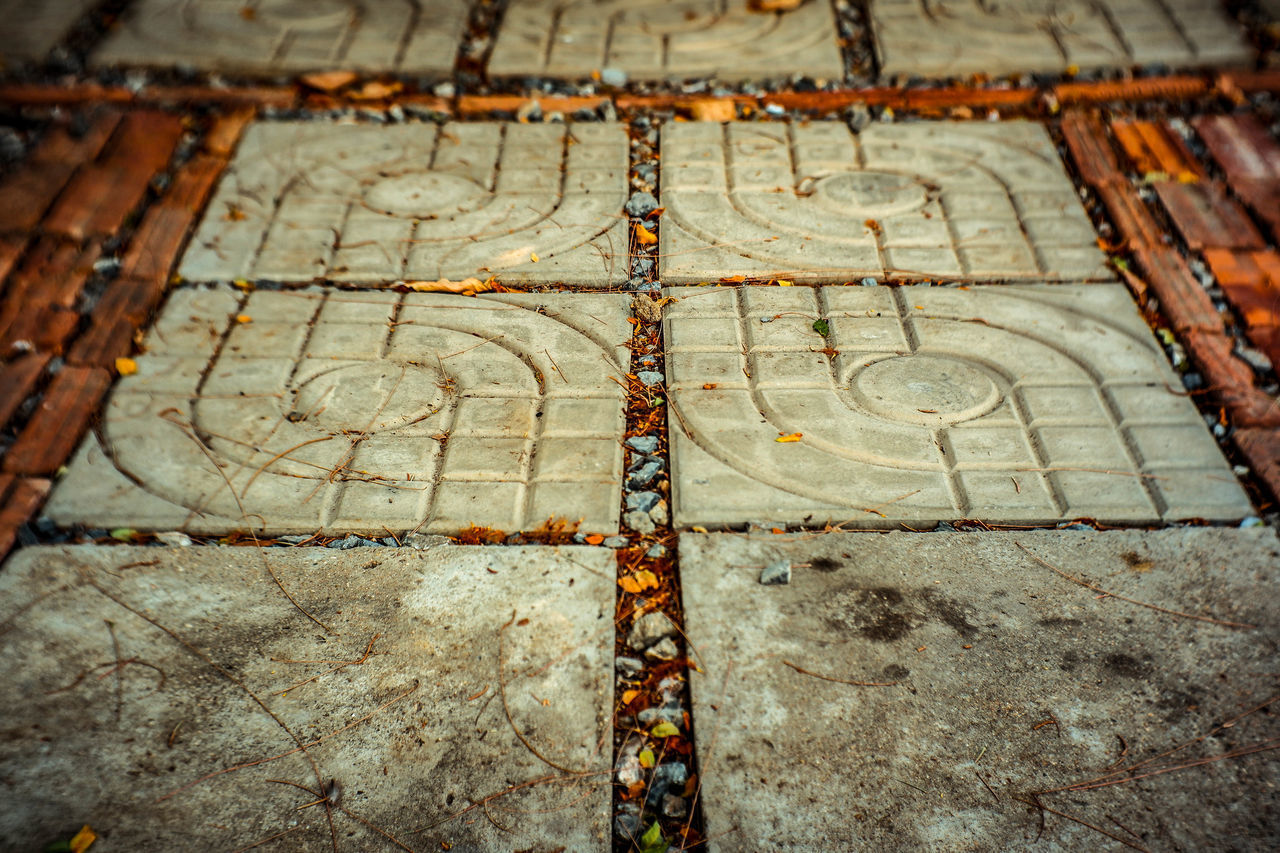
(32, 27)
(533, 203)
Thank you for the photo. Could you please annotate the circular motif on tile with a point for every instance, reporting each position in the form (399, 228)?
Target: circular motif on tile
(368, 397)
(871, 194)
(424, 195)
(925, 389)
(305, 14)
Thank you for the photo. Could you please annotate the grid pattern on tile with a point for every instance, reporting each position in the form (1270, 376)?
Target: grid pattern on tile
(666, 39)
(815, 202)
(411, 36)
(1027, 404)
(946, 37)
(289, 412)
(359, 203)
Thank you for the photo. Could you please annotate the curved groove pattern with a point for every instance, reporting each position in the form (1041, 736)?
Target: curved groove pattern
(664, 39)
(384, 412)
(305, 200)
(418, 36)
(1026, 404)
(937, 199)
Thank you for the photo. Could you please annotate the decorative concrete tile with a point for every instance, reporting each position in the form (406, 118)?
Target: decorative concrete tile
(1021, 404)
(1003, 679)
(665, 40)
(946, 37)
(815, 202)
(29, 29)
(146, 686)
(289, 412)
(524, 202)
(272, 36)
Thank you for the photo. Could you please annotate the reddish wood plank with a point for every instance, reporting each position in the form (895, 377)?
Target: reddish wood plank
(1130, 215)
(224, 131)
(1176, 87)
(903, 99)
(11, 248)
(163, 229)
(55, 428)
(1261, 447)
(18, 381)
(123, 308)
(1251, 281)
(1154, 147)
(1087, 141)
(36, 94)
(1182, 300)
(1251, 159)
(24, 498)
(102, 344)
(45, 285)
(31, 189)
(101, 196)
(1206, 217)
(1231, 380)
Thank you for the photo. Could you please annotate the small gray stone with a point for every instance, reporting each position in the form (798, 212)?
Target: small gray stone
(626, 826)
(657, 552)
(445, 90)
(644, 475)
(529, 111)
(664, 649)
(671, 713)
(628, 667)
(422, 541)
(776, 574)
(649, 629)
(659, 513)
(641, 204)
(640, 522)
(613, 77)
(674, 807)
(643, 443)
(350, 542)
(645, 501)
(615, 542)
(174, 539)
(649, 377)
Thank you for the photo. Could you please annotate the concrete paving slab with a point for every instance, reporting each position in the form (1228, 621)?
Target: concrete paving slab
(149, 687)
(947, 37)
(29, 29)
(967, 200)
(911, 405)
(1006, 679)
(375, 203)
(665, 40)
(289, 412)
(273, 36)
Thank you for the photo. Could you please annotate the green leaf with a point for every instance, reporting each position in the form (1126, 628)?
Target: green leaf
(665, 729)
(822, 327)
(646, 758)
(652, 841)
(124, 534)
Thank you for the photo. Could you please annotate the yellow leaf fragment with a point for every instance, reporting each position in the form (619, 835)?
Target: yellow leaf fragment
(126, 366)
(533, 256)
(646, 758)
(664, 729)
(467, 287)
(646, 579)
(243, 318)
(328, 81)
(630, 585)
(782, 282)
(81, 840)
(713, 109)
(787, 439)
(243, 284)
(628, 695)
(644, 236)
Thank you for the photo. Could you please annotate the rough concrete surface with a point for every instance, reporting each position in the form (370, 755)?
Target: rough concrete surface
(30, 28)
(664, 40)
(971, 200)
(369, 412)
(1009, 680)
(411, 36)
(133, 674)
(1011, 404)
(377, 203)
(945, 37)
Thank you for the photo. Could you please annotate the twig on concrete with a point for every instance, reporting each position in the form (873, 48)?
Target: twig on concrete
(804, 671)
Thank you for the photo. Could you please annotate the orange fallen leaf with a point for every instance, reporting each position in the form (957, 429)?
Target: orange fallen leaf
(126, 366)
(787, 439)
(533, 256)
(328, 81)
(646, 579)
(708, 386)
(644, 236)
(467, 287)
(713, 109)
(594, 539)
(629, 585)
(773, 5)
(628, 695)
(243, 318)
(82, 840)
(375, 91)
(733, 279)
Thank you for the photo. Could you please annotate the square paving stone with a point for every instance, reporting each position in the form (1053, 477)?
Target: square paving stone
(1017, 404)
(29, 29)
(362, 412)
(1003, 678)
(815, 202)
(665, 40)
(156, 694)
(525, 202)
(952, 37)
(271, 36)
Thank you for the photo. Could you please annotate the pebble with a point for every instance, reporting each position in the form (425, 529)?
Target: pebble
(1256, 359)
(613, 77)
(423, 541)
(615, 542)
(674, 807)
(626, 826)
(776, 574)
(665, 777)
(640, 522)
(649, 629)
(664, 649)
(644, 475)
(657, 551)
(649, 377)
(645, 501)
(628, 667)
(174, 539)
(529, 111)
(671, 713)
(641, 204)
(608, 112)
(350, 542)
(659, 513)
(643, 443)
